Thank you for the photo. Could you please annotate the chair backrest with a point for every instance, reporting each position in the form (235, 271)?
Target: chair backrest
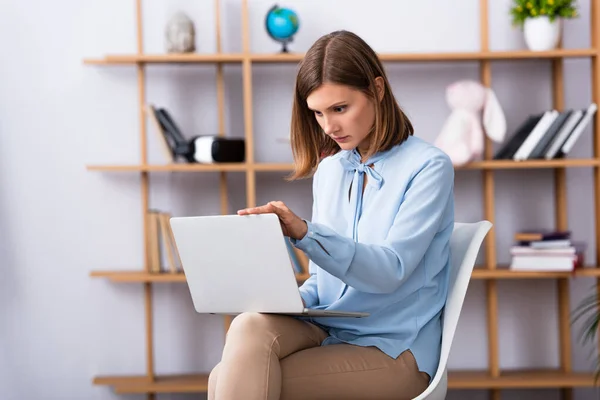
(465, 243)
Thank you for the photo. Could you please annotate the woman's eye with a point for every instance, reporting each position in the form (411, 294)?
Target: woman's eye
(339, 108)
(318, 113)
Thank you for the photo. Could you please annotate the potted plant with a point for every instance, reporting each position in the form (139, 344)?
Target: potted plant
(589, 310)
(541, 21)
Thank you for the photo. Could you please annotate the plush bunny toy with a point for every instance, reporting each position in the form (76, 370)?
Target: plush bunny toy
(462, 135)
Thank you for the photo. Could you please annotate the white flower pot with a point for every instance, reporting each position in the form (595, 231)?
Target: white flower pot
(541, 34)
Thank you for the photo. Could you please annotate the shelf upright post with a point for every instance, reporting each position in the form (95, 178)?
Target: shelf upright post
(489, 212)
(595, 79)
(560, 193)
(221, 106)
(144, 185)
(248, 119)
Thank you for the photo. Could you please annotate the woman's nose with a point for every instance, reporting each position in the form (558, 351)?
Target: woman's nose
(328, 126)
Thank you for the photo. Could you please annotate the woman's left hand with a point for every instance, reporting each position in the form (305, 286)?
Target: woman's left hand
(291, 224)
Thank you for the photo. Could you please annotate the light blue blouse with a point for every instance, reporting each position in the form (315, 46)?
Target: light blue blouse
(386, 251)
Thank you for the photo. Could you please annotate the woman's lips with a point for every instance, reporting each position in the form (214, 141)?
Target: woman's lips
(341, 139)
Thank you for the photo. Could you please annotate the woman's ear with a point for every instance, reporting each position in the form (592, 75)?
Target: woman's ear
(380, 87)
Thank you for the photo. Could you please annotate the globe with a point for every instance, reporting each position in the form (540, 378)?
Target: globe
(281, 25)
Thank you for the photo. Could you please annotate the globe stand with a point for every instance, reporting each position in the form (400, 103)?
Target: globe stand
(284, 44)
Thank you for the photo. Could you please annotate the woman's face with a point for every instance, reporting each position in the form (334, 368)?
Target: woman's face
(345, 114)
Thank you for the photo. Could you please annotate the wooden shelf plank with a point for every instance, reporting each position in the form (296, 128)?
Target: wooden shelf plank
(284, 167)
(115, 59)
(146, 277)
(114, 380)
(531, 164)
(185, 167)
(490, 55)
(139, 276)
(190, 383)
(194, 58)
(176, 167)
(445, 56)
(534, 379)
(270, 58)
(502, 272)
(488, 164)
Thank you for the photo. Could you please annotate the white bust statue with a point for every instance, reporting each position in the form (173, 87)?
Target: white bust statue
(180, 34)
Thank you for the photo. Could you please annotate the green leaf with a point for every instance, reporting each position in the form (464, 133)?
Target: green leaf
(588, 311)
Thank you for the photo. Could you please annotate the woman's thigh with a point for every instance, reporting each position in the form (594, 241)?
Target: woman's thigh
(344, 371)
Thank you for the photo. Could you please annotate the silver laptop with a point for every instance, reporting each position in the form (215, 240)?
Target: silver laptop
(236, 264)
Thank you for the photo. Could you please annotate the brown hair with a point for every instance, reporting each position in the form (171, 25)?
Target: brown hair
(341, 57)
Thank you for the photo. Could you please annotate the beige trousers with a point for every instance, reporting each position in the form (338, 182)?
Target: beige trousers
(271, 357)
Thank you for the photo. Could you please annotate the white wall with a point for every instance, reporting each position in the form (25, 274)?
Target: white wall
(60, 328)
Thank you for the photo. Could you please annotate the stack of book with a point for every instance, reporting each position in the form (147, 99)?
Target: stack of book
(163, 255)
(546, 250)
(547, 135)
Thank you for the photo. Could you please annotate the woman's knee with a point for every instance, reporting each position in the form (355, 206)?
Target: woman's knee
(250, 325)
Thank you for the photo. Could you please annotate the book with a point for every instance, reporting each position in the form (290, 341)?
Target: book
(535, 135)
(541, 234)
(578, 130)
(543, 263)
(179, 144)
(163, 255)
(565, 257)
(562, 135)
(163, 136)
(545, 141)
(507, 151)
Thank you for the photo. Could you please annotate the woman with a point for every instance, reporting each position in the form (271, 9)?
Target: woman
(378, 241)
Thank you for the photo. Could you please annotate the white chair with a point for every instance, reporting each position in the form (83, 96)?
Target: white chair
(464, 246)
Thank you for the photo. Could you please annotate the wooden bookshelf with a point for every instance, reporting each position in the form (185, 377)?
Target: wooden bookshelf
(492, 378)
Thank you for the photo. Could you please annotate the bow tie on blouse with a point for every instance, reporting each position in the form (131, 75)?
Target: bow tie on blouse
(352, 163)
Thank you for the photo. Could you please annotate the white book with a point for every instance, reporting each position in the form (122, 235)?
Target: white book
(536, 134)
(550, 244)
(543, 263)
(550, 251)
(579, 128)
(561, 136)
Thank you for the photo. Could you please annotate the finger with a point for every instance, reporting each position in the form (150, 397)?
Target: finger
(256, 210)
